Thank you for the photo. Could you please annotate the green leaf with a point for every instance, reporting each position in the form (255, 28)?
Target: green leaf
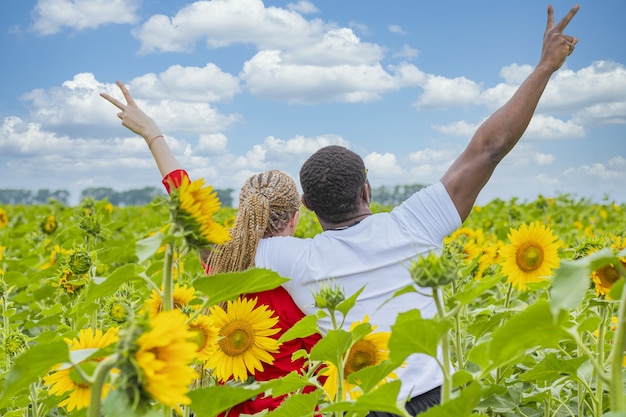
(332, 347)
(534, 327)
(347, 304)
(117, 404)
(304, 327)
(461, 406)
(291, 382)
(108, 287)
(210, 401)
(572, 279)
(227, 286)
(302, 405)
(145, 248)
(370, 376)
(470, 292)
(382, 399)
(551, 368)
(413, 334)
(32, 365)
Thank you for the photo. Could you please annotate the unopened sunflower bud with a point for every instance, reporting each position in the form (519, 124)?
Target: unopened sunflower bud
(89, 224)
(79, 262)
(14, 343)
(117, 311)
(329, 297)
(433, 270)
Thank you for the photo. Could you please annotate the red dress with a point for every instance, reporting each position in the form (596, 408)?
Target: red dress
(288, 314)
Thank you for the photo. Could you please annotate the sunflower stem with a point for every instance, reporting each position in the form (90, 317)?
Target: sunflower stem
(99, 376)
(168, 302)
(600, 356)
(446, 389)
(616, 386)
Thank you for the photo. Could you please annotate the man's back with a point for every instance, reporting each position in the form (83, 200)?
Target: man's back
(374, 254)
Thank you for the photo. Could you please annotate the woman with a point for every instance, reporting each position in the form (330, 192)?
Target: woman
(269, 205)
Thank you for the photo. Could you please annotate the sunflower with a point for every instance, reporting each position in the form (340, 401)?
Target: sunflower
(193, 208)
(182, 296)
(371, 350)
(245, 339)
(206, 335)
(4, 218)
(70, 283)
(67, 379)
(164, 357)
(530, 256)
(49, 225)
(605, 277)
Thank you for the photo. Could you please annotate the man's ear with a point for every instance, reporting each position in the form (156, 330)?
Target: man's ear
(306, 204)
(367, 192)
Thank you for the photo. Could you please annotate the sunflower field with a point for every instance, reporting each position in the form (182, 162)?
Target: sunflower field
(108, 311)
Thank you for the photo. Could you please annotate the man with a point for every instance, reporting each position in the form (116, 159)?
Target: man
(360, 249)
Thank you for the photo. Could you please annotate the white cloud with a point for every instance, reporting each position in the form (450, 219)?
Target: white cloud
(543, 159)
(212, 143)
(382, 165)
(206, 84)
(50, 16)
(432, 155)
(223, 23)
(406, 52)
(336, 47)
(267, 76)
(547, 127)
(300, 145)
(78, 103)
(547, 180)
(441, 92)
(460, 128)
(397, 29)
(303, 7)
(599, 171)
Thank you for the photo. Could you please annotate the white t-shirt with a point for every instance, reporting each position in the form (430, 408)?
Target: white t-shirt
(374, 254)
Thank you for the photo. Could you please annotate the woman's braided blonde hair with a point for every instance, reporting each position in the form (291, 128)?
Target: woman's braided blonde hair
(266, 203)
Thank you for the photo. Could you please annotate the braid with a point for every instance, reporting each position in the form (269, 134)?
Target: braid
(266, 202)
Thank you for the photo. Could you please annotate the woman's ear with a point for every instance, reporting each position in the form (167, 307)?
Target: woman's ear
(293, 221)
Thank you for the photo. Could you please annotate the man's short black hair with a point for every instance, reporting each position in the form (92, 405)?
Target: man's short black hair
(332, 181)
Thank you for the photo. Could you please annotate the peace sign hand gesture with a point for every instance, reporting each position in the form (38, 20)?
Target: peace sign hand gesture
(132, 116)
(556, 45)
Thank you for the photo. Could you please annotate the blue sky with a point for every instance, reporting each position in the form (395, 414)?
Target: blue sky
(241, 86)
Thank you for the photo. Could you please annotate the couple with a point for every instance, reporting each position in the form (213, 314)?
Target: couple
(357, 248)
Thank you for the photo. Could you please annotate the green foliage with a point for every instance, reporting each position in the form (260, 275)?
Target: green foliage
(555, 349)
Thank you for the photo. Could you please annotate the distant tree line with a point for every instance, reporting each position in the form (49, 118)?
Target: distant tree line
(394, 195)
(387, 196)
(28, 197)
(135, 197)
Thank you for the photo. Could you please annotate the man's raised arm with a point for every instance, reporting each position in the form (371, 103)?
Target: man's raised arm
(502, 130)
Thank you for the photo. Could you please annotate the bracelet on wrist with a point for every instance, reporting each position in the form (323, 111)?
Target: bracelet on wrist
(152, 140)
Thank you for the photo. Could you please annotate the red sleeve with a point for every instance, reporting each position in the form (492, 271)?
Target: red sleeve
(174, 179)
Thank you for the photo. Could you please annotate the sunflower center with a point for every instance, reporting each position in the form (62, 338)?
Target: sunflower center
(238, 337)
(608, 275)
(199, 337)
(529, 256)
(362, 354)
